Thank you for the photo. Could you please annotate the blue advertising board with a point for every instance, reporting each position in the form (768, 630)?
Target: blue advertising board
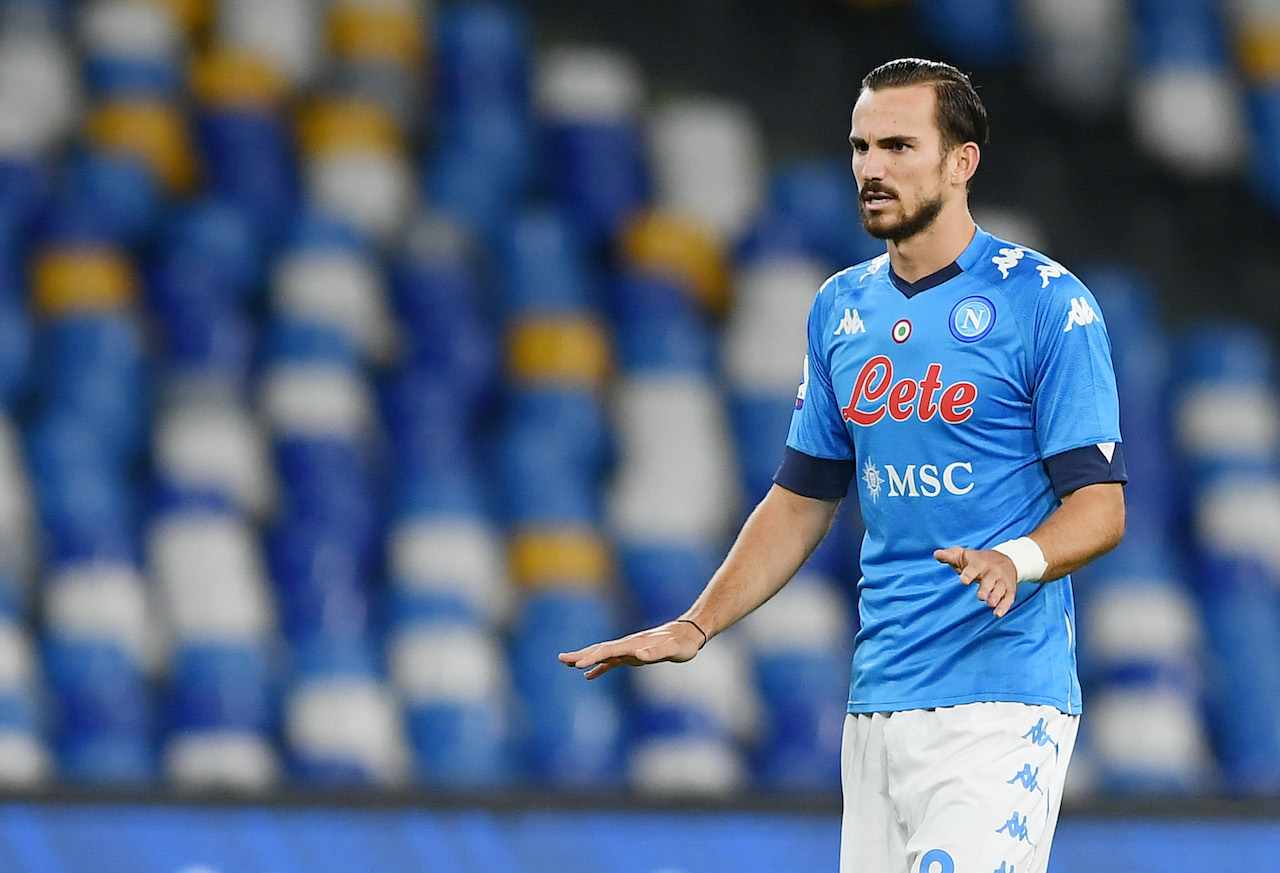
(151, 838)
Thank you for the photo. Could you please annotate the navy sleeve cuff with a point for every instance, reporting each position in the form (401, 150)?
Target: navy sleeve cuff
(821, 478)
(1087, 465)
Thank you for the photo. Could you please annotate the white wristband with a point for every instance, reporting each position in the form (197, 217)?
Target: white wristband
(1027, 558)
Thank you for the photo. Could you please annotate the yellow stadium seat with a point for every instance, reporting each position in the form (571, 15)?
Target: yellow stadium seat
(679, 248)
(570, 351)
(70, 279)
(233, 77)
(560, 556)
(333, 126)
(194, 16)
(152, 130)
(1260, 53)
(362, 32)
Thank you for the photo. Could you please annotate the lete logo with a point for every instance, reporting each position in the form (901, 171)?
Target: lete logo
(923, 398)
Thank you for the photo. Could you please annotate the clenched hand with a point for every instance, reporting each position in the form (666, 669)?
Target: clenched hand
(674, 641)
(995, 573)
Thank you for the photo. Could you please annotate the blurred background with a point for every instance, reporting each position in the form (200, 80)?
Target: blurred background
(358, 356)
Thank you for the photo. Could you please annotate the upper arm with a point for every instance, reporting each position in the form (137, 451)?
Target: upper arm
(1074, 397)
(817, 427)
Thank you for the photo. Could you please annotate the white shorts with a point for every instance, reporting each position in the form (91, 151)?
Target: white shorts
(958, 789)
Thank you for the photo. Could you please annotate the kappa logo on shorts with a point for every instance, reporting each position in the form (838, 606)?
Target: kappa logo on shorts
(1016, 828)
(1027, 777)
(1039, 735)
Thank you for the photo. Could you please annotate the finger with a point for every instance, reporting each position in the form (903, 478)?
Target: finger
(593, 655)
(971, 573)
(954, 556)
(988, 589)
(600, 669)
(1006, 601)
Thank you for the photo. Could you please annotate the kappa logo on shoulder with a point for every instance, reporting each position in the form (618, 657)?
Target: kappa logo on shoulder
(1081, 314)
(850, 324)
(874, 267)
(1007, 259)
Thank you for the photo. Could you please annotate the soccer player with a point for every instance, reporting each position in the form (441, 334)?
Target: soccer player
(964, 383)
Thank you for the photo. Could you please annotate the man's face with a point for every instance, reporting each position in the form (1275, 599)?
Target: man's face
(897, 160)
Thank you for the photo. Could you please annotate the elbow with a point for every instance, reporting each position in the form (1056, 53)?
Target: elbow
(1115, 530)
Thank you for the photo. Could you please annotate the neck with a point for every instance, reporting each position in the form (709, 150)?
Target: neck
(935, 247)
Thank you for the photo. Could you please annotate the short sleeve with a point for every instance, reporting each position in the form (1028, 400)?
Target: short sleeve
(817, 428)
(1074, 397)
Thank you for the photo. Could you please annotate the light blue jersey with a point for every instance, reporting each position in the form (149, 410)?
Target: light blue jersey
(952, 395)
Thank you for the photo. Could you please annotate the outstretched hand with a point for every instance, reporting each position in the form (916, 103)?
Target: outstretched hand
(995, 573)
(674, 641)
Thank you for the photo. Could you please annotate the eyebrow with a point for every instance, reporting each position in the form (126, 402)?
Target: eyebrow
(885, 141)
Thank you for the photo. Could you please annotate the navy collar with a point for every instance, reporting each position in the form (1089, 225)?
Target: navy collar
(966, 259)
(911, 289)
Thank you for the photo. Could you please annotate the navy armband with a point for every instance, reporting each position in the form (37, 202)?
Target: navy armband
(1087, 465)
(821, 478)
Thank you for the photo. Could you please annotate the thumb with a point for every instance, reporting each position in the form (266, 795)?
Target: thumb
(953, 556)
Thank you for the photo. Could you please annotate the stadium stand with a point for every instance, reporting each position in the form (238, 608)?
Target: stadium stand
(356, 358)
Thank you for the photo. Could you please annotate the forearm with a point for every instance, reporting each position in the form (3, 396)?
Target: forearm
(1089, 523)
(779, 535)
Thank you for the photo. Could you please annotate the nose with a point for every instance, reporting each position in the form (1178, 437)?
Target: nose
(873, 166)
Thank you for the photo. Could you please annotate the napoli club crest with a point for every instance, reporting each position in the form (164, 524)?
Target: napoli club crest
(972, 319)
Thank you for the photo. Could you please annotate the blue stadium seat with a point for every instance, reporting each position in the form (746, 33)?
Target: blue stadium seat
(801, 750)
(574, 729)
(250, 163)
(973, 31)
(104, 711)
(342, 723)
(288, 340)
(481, 58)
(544, 266)
(663, 579)
(93, 367)
(1242, 631)
(320, 582)
(818, 201)
(221, 686)
(439, 300)
(131, 50)
(597, 171)
(1184, 33)
(657, 327)
(761, 422)
(1264, 106)
(209, 259)
(454, 681)
(15, 349)
(122, 190)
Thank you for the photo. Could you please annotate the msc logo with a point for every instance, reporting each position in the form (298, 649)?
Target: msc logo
(1081, 314)
(923, 398)
(972, 319)
(918, 480)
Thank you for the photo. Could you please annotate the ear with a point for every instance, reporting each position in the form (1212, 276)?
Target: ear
(964, 163)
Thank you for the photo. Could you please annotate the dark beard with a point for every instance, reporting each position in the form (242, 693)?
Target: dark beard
(916, 222)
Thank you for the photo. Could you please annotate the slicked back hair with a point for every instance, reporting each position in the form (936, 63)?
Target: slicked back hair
(961, 116)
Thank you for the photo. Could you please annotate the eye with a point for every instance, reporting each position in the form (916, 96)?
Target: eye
(860, 147)
(899, 147)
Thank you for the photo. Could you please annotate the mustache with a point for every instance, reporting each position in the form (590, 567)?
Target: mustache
(874, 188)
